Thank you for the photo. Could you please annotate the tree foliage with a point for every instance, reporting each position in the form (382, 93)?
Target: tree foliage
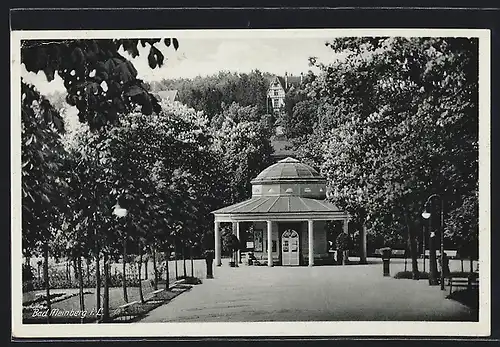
(43, 169)
(246, 150)
(99, 81)
(398, 122)
(209, 94)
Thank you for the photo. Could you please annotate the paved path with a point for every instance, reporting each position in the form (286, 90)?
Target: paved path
(323, 293)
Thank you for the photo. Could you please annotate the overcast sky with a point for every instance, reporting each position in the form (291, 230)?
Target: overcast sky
(206, 56)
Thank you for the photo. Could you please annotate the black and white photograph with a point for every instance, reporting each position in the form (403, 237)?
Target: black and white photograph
(250, 182)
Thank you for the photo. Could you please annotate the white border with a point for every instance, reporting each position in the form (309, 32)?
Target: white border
(299, 329)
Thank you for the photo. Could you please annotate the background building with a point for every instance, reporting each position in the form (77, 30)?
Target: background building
(278, 87)
(287, 214)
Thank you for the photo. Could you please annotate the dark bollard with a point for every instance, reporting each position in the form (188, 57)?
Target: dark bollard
(386, 267)
(209, 259)
(386, 259)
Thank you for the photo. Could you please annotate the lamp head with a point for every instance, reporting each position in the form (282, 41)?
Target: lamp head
(119, 211)
(426, 215)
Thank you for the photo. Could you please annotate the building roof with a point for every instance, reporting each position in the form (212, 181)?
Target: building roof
(280, 204)
(292, 81)
(167, 95)
(288, 169)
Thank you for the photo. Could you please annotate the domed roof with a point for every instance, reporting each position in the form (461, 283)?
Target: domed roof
(288, 169)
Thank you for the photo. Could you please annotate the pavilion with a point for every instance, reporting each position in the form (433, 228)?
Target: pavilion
(288, 206)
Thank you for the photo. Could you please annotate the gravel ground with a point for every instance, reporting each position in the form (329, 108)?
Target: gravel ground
(322, 293)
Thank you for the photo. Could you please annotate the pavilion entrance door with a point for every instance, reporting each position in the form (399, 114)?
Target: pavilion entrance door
(290, 247)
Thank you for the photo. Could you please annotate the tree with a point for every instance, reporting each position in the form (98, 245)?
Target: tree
(395, 110)
(59, 214)
(208, 94)
(302, 120)
(246, 150)
(343, 245)
(43, 160)
(300, 112)
(234, 245)
(99, 81)
(226, 236)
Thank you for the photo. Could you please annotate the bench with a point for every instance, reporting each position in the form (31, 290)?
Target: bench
(398, 252)
(149, 289)
(126, 310)
(462, 282)
(452, 254)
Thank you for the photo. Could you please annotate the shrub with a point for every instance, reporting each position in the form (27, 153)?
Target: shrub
(469, 298)
(191, 280)
(408, 275)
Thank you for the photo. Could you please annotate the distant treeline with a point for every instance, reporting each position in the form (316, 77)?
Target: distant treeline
(208, 94)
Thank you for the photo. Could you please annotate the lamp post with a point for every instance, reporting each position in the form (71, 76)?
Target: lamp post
(119, 212)
(427, 215)
(423, 245)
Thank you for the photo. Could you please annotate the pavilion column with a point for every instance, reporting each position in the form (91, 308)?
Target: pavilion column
(236, 233)
(310, 235)
(362, 235)
(269, 243)
(217, 244)
(238, 255)
(345, 256)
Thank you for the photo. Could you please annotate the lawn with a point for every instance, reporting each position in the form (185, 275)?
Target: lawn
(91, 314)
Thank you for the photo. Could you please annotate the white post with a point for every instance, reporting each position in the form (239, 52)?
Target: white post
(362, 259)
(346, 231)
(217, 244)
(269, 243)
(238, 236)
(346, 226)
(311, 241)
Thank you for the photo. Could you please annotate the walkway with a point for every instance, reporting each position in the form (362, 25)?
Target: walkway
(322, 293)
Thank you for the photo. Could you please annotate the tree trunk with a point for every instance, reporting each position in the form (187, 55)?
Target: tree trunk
(105, 313)
(146, 269)
(462, 264)
(46, 277)
(155, 269)
(68, 272)
(141, 295)
(192, 261)
(432, 259)
(80, 286)
(88, 271)
(167, 274)
(471, 263)
(97, 282)
(406, 268)
(413, 249)
(75, 269)
(124, 273)
(184, 260)
(175, 251)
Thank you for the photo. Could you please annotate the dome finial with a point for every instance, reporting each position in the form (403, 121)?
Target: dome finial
(289, 160)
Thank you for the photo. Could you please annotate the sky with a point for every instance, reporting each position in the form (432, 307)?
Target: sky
(207, 56)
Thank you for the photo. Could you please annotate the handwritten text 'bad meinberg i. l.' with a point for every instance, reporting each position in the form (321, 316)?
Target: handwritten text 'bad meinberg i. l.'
(55, 312)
